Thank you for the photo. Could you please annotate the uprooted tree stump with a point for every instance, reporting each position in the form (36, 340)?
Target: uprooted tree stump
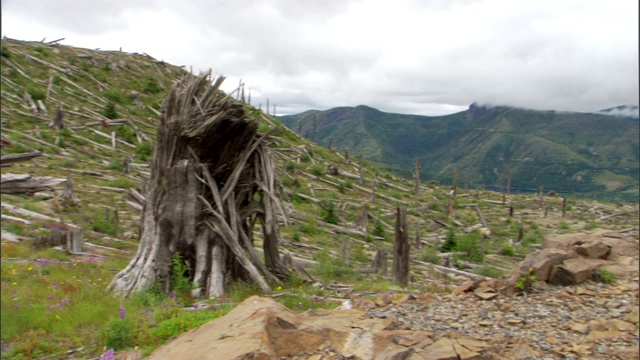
(212, 180)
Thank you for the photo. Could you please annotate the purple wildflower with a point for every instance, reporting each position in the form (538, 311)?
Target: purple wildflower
(108, 355)
(164, 306)
(54, 287)
(123, 312)
(16, 307)
(48, 313)
(173, 296)
(195, 306)
(52, 307)
(50, 297)
(215, 307)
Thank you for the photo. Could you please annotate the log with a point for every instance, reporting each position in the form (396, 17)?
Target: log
(14, 158)
(452, 271)
(27, 184)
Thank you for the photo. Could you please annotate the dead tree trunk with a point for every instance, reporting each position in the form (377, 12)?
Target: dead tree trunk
(401, 250)
(211, 180)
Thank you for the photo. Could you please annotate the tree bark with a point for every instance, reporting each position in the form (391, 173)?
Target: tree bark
(211, 180)
(401, 250)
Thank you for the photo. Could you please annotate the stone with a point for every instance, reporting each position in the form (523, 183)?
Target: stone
(465, 287)
(443, 349)
(521, 351)
(595, 249)
(601, 335)
(363, 304)
(580, 328)
(540, 285)
(571, 272)
(485, 295)
(622, 325)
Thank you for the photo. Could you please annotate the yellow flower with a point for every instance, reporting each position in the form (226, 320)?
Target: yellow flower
(29, 268)
(279, 288)
(14, 283)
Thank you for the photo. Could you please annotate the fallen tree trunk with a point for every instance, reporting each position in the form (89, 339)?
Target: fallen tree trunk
(14, 158)
(27, 184)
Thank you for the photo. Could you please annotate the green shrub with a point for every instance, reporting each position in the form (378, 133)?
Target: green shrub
(605, 276)
(180, 282)
(4, 52)
(150, 86)
(109, 110)
(450, 243)
(170, 328)
(107, 225)
(507, 250)
(468, 244)
(332, 269)
(329, 213)
(378, 229)
(317, 169)
(118, 334)
(37, 93)
(430, 255)
(144, 150)
(114, 96)
(290, 166)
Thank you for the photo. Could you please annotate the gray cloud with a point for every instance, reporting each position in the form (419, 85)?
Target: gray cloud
(409, 56)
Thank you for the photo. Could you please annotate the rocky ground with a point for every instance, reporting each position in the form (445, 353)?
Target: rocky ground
(589, 321)
(564, 313)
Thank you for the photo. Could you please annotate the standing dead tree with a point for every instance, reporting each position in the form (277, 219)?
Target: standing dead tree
(212, 180)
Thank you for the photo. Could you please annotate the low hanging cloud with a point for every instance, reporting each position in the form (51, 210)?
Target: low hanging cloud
(421, 57)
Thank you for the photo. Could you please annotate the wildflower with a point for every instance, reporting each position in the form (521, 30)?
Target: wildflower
(50, 297)
(54, 287)
(52, 307)
(195, 306)
(14, 296)
(123, 312)
(48, 313)
(14, 283)
(29, 268)
(16, 307)
(108, 355)
(279, 288)
(215, 307)
(173, 296)
(164, 306)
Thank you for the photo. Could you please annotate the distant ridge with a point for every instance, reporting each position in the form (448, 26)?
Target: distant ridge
(589, 154)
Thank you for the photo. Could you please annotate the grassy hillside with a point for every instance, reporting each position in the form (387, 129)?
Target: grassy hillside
(592, 155)
(54, 303)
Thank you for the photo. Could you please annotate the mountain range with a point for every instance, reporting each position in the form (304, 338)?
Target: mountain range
(587, 154)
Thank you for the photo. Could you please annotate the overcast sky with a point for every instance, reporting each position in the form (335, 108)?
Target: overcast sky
(427, 57)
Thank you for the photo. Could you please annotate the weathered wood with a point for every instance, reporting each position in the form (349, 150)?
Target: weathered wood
(14, 158)
(74, 241)
(401, 250)
(445, 269)
(379, 262)
(27, 184)
(212, 180)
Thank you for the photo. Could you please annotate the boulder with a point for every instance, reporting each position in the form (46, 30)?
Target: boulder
(575, 271)
(595, 249)
(261, 328)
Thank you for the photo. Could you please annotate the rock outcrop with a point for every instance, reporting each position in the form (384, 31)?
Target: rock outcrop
(564, 260)
(261, 328)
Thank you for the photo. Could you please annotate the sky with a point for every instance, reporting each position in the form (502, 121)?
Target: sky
(427, 57)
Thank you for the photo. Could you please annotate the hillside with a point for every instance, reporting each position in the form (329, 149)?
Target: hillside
(593, 155)
(340, 212)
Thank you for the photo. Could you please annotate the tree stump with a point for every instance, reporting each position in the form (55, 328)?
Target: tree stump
(401, 250)
(212, 179)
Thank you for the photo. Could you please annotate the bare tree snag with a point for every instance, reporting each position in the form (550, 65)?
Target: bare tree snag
(418, 240)
(379, 263)
(212, 179)
(56, 122)
(564, 207)
(401, 250)
(361, 170)
(417, 178)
